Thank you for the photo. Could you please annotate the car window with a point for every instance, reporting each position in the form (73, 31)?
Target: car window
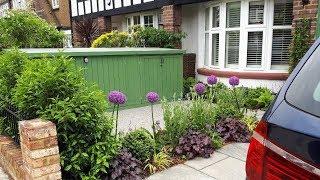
(304, 92)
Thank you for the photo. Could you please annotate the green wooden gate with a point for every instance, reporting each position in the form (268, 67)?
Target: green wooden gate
(134, 71)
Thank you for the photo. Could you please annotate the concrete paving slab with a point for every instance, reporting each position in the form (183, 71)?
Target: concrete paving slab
(200, 163)
(227, 169)
(180, 172)
(236, 150)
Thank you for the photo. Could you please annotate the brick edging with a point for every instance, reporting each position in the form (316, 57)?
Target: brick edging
(244, 75)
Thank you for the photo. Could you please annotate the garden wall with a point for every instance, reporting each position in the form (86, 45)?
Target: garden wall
(38, 154)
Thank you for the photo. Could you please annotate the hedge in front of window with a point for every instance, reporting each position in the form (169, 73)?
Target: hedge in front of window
(140, 37)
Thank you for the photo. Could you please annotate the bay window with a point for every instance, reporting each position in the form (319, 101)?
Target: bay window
(248, 34)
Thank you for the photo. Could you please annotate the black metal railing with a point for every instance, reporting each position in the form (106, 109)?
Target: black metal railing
(11, 118)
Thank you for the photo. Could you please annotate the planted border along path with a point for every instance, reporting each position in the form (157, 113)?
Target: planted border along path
(227, 163)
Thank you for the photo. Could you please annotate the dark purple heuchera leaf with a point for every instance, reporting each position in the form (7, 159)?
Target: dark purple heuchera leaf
(194, 144)
(125, 166)
(233, 130)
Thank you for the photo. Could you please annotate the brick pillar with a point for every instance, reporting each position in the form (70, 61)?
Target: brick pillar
(104, 24)
(308, 11)
(40, 150)
(172, 18)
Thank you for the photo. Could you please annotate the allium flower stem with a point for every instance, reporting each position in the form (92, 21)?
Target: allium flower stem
(114, 108)
(153, 128)
(236, 98)
(117, 116)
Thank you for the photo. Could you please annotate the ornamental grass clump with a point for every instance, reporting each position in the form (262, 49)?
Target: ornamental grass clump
(117, 98)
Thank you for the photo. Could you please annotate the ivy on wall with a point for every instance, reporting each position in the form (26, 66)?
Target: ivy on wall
(300, 42)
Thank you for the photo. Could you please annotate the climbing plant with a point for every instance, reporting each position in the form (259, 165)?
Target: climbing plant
(300, 42)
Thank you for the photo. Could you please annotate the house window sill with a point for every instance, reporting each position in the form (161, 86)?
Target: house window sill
(244, 75)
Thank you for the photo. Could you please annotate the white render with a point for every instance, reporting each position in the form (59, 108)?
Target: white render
(273, 85)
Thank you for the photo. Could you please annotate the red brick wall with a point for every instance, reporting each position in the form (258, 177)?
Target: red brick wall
(172, 17)
(38, 157)
(308, 11)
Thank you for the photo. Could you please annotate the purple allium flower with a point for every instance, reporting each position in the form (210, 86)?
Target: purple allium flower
(152, 97)
(117, 97)
(234, 81)
(212, 80)
(200, 88)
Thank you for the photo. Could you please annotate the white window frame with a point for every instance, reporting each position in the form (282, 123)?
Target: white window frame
(55, 4)
(266, 28)
(154, 15)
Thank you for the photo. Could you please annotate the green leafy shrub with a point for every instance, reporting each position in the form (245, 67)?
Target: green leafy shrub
(257, 98)
(141, 37)
(2, 126)
(24, 29)
(265, 99)
(152, 37)
(112, 39)
(140, 143)
(300, 42)
(11, 65)
(226, 106)
(188, 83)
(43, 80)
(84, 132)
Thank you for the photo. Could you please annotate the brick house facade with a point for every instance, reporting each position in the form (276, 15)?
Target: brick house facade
(249, 38)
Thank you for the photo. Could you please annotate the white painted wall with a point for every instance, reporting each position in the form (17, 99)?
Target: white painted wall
(273, 85)
(190, 26)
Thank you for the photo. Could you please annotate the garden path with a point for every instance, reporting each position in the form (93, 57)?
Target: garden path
(227, 163)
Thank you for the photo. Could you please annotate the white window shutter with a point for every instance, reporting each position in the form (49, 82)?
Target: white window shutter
(280, 47)
(232, 48)
(283, 12)
(215, 49)
(254, 50)
(256, 10)
(233, 14)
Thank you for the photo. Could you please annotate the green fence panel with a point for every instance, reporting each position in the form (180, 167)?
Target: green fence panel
(134, 71)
